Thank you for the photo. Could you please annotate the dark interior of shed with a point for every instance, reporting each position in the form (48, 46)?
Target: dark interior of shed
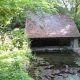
(44, 42)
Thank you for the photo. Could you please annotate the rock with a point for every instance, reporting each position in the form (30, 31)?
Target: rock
(49, 67)
(48, 77)
(75, 71)
(66, 70)
(79, 75)
(78, 71)
(71, 70)
(56, 72)
(40, 63)
(46, 63)
(47, 72)
(64, 75)
(44, 78)
(58, 78)
(66, 66)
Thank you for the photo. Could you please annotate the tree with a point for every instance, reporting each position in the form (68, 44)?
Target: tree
(13, 12)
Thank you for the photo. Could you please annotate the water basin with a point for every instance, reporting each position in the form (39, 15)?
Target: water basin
(56, 66)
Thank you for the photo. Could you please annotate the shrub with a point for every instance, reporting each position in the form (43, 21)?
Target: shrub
(14, 60)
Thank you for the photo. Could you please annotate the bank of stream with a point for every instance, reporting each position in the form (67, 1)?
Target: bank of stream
(56, 66)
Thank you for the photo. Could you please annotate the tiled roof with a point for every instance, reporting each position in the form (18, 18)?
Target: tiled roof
(49, 26)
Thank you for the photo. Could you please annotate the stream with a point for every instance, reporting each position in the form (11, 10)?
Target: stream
(56, 66)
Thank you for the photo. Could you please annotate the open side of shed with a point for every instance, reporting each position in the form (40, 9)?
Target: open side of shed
(53, 43)
(43, 42)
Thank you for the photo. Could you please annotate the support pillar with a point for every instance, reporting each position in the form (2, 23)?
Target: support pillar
(75, 46)
(75, 43)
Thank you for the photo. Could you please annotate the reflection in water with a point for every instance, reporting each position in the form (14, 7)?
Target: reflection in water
(57, 66)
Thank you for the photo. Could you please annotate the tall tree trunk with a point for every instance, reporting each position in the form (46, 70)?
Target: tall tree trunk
(65, 6)
(76, 9)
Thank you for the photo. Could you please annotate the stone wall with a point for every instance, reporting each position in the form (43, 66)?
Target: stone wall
(74, 43)
(75, 47)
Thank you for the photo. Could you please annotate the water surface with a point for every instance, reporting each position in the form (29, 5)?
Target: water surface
(56, 66)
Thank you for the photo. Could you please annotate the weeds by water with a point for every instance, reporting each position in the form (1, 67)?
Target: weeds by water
(14, 55)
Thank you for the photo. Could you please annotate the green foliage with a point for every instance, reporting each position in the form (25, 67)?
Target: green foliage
(41, 6)
(10, 9)
(65, 50)
(14, 60)
(77, 21)
(14, 75)
(13, 12)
